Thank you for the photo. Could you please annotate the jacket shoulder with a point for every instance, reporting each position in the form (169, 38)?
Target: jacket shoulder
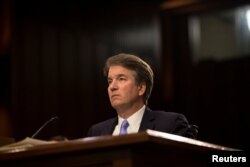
(102, 128)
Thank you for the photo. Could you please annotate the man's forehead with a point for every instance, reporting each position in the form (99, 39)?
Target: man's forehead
(119, 71)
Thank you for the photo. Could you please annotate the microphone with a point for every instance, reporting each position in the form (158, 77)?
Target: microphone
(44, 125)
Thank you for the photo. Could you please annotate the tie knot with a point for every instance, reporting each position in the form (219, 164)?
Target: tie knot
(124, 127)
(125, 124)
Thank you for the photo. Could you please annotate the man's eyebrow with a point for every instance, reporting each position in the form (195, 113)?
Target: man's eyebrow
(121, 75)
(118, 75)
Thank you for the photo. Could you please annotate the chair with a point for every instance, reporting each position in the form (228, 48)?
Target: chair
(194, 130)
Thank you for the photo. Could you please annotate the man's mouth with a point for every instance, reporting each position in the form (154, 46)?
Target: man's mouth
(113, 96)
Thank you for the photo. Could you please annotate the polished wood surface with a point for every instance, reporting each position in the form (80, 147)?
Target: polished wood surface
(148, 148)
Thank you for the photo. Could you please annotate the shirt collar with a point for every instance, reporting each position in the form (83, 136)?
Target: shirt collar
(135, 118)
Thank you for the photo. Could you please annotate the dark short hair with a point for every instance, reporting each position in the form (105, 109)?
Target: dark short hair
(143, 71)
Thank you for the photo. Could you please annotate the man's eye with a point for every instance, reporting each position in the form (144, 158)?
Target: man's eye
(122, 79)
(109, 82)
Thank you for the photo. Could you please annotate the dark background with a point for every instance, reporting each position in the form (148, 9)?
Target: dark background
(53, 52)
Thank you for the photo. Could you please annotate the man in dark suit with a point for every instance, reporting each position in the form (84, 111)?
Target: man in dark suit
(130, 82)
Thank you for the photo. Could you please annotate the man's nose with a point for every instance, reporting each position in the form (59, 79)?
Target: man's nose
(113, 85)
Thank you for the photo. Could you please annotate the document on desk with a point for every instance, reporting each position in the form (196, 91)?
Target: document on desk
(23, 144)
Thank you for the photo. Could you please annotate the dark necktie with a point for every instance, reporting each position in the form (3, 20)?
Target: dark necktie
(124, 126)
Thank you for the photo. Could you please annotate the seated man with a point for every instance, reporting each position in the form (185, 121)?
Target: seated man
(130, 82)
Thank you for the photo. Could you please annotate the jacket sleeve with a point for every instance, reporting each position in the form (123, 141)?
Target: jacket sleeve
(183, 128)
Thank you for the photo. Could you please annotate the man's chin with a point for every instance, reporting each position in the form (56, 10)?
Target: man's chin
(117, 106)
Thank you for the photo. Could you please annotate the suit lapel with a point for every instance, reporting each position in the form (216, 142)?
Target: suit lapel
(110, 127)
(147, 120)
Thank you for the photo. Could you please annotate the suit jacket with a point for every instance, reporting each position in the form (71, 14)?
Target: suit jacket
(162, 121)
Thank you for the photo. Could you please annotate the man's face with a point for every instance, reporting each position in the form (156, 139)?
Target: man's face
(123, 90)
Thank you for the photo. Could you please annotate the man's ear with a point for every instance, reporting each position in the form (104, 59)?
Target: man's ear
(142, 88)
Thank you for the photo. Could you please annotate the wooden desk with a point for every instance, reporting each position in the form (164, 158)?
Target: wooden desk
(150, 148)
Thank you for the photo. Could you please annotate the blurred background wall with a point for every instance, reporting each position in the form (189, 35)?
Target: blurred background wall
(52, 56)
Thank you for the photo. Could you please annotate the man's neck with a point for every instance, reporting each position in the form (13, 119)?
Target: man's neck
(126, 112)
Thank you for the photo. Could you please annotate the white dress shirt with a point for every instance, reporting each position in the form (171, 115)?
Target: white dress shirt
(134, 122)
